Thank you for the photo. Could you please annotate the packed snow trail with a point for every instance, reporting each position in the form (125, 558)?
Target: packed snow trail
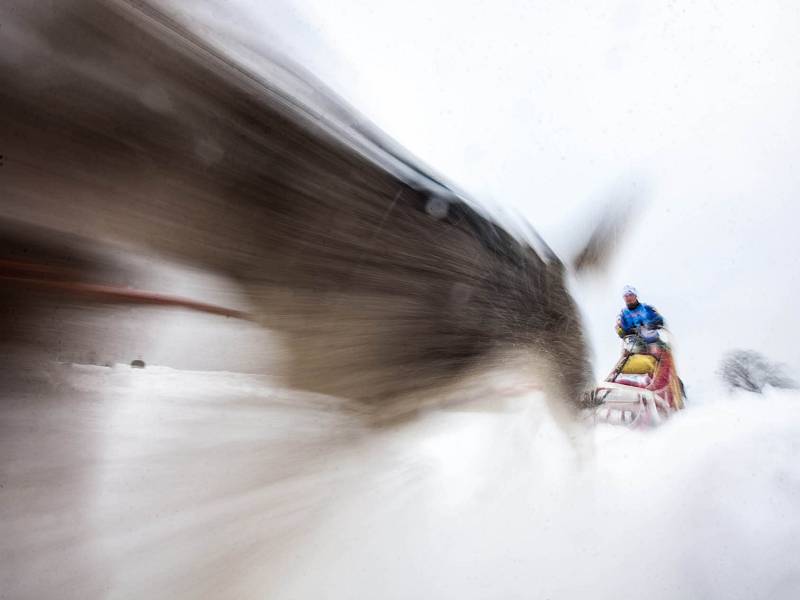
(126, 483)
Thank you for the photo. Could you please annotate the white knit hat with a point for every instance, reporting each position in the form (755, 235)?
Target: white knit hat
(629, 289)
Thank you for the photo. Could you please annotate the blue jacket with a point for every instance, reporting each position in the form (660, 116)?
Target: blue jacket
(630, 319)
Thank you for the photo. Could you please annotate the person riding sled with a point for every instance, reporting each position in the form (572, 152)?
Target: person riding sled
(644, 387)
(638, 318)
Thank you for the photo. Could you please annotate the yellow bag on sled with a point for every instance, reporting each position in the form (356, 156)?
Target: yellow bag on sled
(639, 364)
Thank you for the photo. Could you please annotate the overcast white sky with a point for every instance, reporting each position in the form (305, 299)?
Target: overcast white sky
(548, 107)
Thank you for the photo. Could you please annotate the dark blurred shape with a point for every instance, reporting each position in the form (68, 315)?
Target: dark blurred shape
(119, 126)
(45, 261)
(38, 271)
(137, 364)
(611, 223)
(751, 371)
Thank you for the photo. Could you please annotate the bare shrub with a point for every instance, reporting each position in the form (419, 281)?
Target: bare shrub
(752, 371)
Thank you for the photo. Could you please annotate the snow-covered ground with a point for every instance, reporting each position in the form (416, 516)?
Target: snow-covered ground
(706, 507)
(123, 483)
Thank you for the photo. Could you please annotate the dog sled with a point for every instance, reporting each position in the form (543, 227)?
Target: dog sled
(643, 389)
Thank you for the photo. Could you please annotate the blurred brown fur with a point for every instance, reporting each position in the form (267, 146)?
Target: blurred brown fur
(119, 125)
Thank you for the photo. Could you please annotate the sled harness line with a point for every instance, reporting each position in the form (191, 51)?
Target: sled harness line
(46, 277)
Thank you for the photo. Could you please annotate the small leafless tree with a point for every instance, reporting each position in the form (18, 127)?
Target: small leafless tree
(749, 370)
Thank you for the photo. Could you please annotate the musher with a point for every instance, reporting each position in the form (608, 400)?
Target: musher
(637, 318)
